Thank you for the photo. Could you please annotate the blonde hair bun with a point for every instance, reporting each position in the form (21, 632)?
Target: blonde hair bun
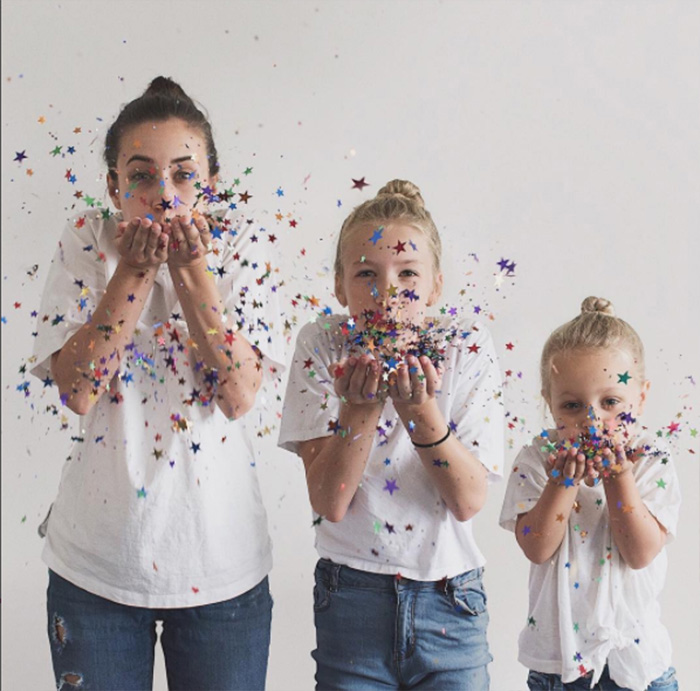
(600, 305)
(405, 188)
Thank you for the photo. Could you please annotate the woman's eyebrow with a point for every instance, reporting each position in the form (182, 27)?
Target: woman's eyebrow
(146, 159)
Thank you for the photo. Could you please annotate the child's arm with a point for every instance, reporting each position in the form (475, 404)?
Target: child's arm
(637, 534)
(335, 464)
(458, 475)
(539, 532)
(236, 363)
(88, 361)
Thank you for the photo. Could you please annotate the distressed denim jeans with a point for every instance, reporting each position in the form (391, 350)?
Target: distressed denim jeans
(376, 631)
(100, 644)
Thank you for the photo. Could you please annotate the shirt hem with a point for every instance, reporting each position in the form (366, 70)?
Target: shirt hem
(203, 595)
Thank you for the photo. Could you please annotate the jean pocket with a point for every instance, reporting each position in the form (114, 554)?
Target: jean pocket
(469, 597)
(666, 682)
(322, 596)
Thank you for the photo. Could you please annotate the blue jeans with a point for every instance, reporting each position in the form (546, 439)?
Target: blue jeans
(100, 644)
(537, 681)
(375, 631)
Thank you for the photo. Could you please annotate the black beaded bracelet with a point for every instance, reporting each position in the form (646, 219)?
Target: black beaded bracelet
(435, 443)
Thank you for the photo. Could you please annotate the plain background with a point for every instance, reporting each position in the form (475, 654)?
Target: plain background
(561, 136)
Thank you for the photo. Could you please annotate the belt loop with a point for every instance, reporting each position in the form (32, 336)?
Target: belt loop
(335, 572)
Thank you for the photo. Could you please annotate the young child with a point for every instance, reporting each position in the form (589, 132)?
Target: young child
(593, 503)
(154, 326)
(398, 420)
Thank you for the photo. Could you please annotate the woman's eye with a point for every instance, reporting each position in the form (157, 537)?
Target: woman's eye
(138, 176)
(185, 175)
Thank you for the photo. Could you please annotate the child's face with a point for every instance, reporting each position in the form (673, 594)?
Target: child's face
(389, 270)
(600, 380)
(157, 168)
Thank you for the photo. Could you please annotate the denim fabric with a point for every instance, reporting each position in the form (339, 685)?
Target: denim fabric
(376, 631)
(100, 644)
(537, 681)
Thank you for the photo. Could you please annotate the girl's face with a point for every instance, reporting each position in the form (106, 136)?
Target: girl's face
(158, 165)
(600, 380)
(388, 270)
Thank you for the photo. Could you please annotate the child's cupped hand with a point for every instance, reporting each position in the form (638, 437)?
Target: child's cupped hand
(358, 381)
(190, 240)
(142, 243)
(415, 382)
(615, 461)
(569, 466)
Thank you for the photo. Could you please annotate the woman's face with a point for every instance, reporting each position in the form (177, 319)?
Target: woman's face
(161, 168)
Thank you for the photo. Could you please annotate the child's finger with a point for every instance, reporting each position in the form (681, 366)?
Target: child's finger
(403, 383)
(417, 377)
(371, 385)
(357, 379)
(342, 373)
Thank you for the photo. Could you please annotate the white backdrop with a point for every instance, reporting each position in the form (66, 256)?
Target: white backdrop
(562, 136)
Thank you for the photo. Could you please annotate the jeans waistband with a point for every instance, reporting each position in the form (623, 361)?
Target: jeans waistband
(334, 575)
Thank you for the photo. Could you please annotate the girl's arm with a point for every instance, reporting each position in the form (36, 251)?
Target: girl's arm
(91, 357)
(334, 465)
(237, 365)
(638, 535)
(459, 476)
(539, 532)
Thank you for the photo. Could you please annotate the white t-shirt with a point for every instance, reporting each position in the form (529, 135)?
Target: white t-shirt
(159, 504)
(397, 521)
(587, 607)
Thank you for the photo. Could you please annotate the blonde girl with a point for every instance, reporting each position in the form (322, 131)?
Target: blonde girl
(593, 502)
(399, 431)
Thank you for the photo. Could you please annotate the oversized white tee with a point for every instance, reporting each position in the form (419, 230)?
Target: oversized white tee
(587, 607)
(159, 503)
(397, 522)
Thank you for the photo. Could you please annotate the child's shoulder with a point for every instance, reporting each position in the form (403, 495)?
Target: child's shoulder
(326, 330)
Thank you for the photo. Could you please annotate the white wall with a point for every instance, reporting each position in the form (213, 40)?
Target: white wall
(563, 136)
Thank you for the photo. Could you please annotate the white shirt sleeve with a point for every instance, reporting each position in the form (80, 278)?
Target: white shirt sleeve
(475, 399)
(657, 481)
(74, 287)
(310, 404)
(525, 485)
(249, 282)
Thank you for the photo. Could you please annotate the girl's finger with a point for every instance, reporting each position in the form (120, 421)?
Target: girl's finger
(371, 385)
(432, 377)
(358, 377)
(403, 383)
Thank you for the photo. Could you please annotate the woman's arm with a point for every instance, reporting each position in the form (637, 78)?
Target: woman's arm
(228, 353)
(89, 360)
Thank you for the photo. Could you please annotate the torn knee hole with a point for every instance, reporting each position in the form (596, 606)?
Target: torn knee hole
(72, 679)
(59, 629)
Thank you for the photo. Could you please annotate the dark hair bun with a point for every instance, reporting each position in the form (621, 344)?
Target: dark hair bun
(601, 305)
(404, 188)
(164, 86)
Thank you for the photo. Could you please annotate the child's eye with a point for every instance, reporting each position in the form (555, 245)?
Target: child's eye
(571, 405)
(410, 273)
(365, 273)
(611, 402)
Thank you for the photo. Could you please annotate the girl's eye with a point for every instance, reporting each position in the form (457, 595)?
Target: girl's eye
(365, 273)
(410, 273)
(571, 405)
(611, 402)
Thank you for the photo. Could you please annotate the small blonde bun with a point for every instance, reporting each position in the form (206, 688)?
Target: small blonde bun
(600, 305)
(405, 188)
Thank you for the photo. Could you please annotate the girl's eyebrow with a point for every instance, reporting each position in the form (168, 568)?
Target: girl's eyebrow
(146, 159)
(402, 262)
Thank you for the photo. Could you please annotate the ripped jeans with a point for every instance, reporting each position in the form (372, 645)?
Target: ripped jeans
(100, 644)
